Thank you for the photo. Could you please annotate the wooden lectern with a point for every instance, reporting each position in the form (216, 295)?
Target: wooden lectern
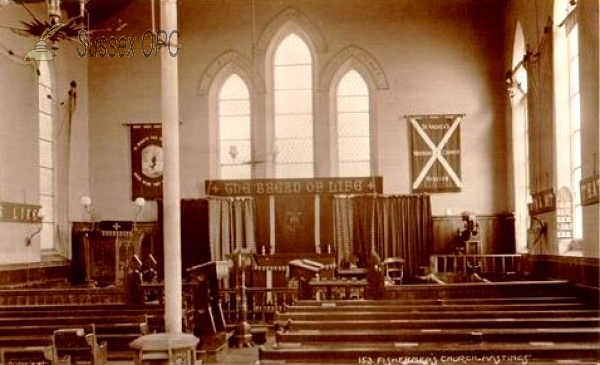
(207, 316)
(304, 271)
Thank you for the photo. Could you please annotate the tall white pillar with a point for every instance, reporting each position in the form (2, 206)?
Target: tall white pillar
(171, 177)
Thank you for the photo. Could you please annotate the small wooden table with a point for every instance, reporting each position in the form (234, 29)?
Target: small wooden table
(175, 348)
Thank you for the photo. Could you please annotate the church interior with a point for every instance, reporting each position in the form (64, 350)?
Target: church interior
(299, 181)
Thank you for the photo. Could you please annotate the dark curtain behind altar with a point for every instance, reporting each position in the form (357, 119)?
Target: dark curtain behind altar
(195, 241)
(393, 226)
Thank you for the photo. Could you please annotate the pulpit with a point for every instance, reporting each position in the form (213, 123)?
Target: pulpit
(207, 315)
(102, 251)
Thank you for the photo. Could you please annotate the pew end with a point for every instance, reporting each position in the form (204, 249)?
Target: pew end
(32, 355)
(79, 345)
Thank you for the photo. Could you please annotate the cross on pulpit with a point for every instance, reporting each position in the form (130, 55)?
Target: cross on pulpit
(242, 259)
(116, 226)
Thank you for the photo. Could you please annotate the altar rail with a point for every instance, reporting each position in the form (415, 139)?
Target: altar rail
(497, 265)
(262, 303)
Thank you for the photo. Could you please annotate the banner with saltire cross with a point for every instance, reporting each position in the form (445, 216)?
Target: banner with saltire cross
(435, 152)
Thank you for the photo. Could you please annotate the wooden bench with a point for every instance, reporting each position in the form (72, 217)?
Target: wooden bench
(553, 325)
(155, 314)
(299, 304)
(441, 323)
(581, 318)
(95, 310)
(116, 331)
(426, 353)
(440, 308)
(546, 288)
(453, 334)
(409, 315)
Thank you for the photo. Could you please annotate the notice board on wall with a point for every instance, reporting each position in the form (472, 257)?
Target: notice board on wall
(435, 153)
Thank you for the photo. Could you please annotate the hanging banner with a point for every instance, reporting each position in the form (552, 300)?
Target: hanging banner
(146, 161)
(436, 153)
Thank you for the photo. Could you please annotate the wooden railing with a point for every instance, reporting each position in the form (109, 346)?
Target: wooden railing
(499, 264)
(262, 303)
(338, 289)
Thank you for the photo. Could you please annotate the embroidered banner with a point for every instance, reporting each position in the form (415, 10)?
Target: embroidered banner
(146, 161)
(436, 153)
(295, 223)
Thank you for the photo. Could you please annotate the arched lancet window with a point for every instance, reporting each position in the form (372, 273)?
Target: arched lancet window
(568, 108)
(235, 142)
(353, 126)
(47, 160)
(520, 139)
(293, 109)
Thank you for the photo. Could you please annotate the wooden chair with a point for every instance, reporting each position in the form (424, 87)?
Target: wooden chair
(393, 269)
(79, 345)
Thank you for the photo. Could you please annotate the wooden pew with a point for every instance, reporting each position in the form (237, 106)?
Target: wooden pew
(440, 323)
(585, 318)
(455, 334)
(550, 288)
(547, 324)
(428, 353)
(439, 308)
(440, 301)
(116, 331)
(154, 313)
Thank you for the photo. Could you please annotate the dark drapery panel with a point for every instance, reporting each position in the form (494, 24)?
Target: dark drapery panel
(394, 226)
(263, 237)
(195, 239)
(326, 211)
(362, 227)
(405, 230)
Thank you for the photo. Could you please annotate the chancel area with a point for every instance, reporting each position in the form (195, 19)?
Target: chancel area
(299, 181)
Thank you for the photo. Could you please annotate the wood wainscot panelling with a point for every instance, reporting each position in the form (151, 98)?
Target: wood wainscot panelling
(33, 274)
(583, 271)
(496, 233)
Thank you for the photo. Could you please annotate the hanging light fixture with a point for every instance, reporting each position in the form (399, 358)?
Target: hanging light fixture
(57, 12)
